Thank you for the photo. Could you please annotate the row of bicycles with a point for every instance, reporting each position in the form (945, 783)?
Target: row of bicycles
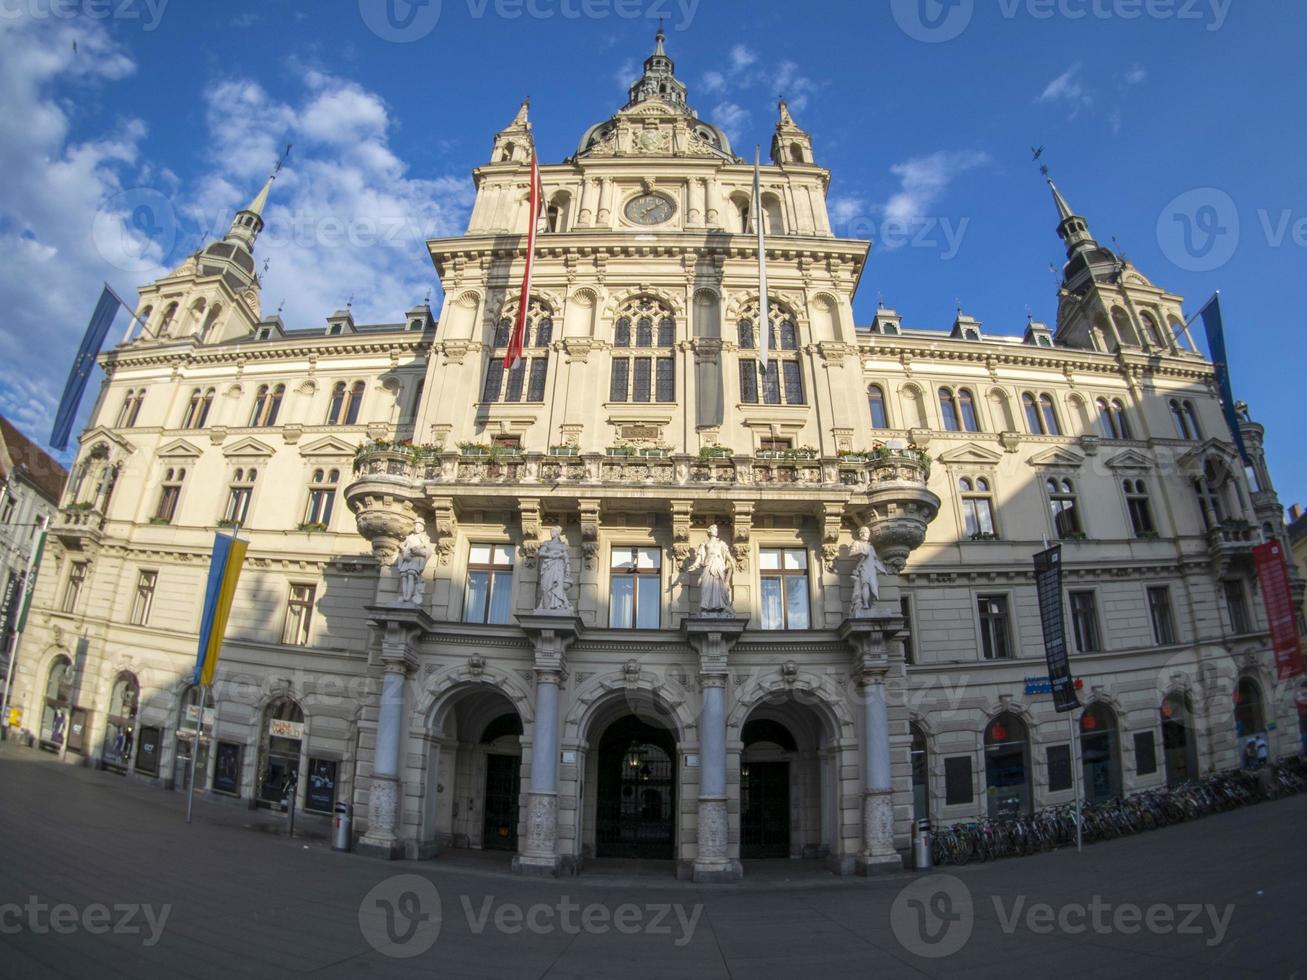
(987, 840)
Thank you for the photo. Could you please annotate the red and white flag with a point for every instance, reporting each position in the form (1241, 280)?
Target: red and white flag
(515, 342)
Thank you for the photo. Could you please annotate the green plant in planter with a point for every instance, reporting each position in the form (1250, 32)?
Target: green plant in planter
(160, 520)
(707, 453)
(984, 536)
(1148, 535)
(312, 526)
(81, 505)
(1075, 536)
(225, 523)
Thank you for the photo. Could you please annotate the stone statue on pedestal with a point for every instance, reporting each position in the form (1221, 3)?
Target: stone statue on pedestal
(866, 575)
(414, 554)
(717, 566)
(554, 563)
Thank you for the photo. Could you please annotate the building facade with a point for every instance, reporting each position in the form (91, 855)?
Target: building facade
(703, 664)
(31, 484)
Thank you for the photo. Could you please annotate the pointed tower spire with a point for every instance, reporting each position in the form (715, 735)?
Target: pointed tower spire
(659, 80)
(1072, 229)
(789, 144)
(247, 224)
(513, 143)
(659, 51)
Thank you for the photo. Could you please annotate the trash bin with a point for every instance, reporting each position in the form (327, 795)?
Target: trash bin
(921, 846)
(340, 837)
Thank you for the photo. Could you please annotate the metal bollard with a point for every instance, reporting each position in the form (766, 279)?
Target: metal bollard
(341, 840)
(921, 846)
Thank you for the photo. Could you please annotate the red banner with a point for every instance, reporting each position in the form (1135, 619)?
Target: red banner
(1274, 577)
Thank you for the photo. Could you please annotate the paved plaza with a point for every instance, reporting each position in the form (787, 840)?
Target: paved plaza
(102, 877)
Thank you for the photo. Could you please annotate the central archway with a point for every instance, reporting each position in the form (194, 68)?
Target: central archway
(635, 811)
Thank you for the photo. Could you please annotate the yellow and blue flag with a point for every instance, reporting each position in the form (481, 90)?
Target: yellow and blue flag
(224, 571)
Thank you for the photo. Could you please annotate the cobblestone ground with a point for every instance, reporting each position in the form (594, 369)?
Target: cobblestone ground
(102, 877)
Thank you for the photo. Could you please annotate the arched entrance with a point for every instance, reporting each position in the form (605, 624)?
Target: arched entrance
(1178, 747)
(635, 813)
(281, 746)
(1100, 753)
(57, 705)
(920, 774)
(120, 724)
(1249, 717)
(188, 719)
(1007, 767)
(786, 802)
(473, 795)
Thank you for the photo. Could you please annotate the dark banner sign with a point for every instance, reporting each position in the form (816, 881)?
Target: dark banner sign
(147, 751)
(321, 793)
(9, 600)
(1274, 577)
(1048, 585)
(227, 768)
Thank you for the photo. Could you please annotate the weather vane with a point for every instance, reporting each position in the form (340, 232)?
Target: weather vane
(282, 162)
(1038, 156)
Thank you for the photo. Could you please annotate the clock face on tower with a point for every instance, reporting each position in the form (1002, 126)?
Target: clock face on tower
(649, 209)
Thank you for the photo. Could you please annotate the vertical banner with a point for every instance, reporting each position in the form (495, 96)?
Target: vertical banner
(534, 203)
(92, 341)
(1048, 585)
(224, 572)
(1273, 574)
(1215, 327)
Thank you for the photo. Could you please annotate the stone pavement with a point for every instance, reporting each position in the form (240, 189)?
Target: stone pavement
(100, 876)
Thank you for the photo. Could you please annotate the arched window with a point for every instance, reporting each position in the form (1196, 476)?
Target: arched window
(1191, 416)
(967, 406)
(796, 153)
(58, 703)
(1064, 505)
(337, 404)
(280, 751)
(1151, 333)
(120, 724)
(169, 315)
(355, 403)
(131, 408)
(948, 410)
(197, 409)
(346, 403)
(740, 206)
(1100, 754)
(1181, 422)
(526, 381)
(958, 410)
(1049, 412)
(782, 381)
(1032, 414)
(1125, 330)
(1112, 419)
(322, 498)
(1007, 767)
(773, 222)
(1179, 743)
(876, 399)
(1249, 718)
(646, 329)
(977, 501)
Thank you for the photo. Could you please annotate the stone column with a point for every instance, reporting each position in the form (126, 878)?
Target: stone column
(871, 639)
(713, 637)
(402, 628)
(551, 636)
(586, 204)
(605, 201)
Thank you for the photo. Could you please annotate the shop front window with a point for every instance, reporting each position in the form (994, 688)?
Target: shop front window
(120, 726)
(1007, 767)
(282, 740)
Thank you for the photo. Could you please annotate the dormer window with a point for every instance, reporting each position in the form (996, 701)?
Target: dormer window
(333, 330)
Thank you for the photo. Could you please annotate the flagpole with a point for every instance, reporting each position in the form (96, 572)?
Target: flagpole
(1184, 327)
(195, 750)
(1075, 776)
(29, 585)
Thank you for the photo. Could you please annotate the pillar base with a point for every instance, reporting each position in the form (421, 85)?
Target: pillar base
(385, 850)
(541, 866)
(870, 865)
(709, 872)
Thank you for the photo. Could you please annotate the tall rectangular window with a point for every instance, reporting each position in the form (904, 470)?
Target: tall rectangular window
(1066, 514)
(1084, 622)
(620, 379)
(489, 594)
(1159, 609)
(535, 389)
(635, 588)
(909, 640)
(1141, 511)
(239, 494)
(666, 380)
(169, 494)
(322, 498)
(143, 601)
(792, 374)
(783, 585)
(516, 375)
(494, 380)
(995, 639)
(299, 613)
(73, 590)
(1236, 603)
(749, 381)
(643, 379)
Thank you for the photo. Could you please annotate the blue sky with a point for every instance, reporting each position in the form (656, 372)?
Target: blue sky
(924, 113)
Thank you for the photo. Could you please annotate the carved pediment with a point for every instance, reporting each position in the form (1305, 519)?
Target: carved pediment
(248, 447)
(328, 446)
(180, 449)
(971, 455)
(100, 434)
(1057, 456)
(1130, 460)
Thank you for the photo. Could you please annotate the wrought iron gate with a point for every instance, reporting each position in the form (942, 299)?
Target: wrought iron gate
(503, 774)
(636, 802)
(765, 810)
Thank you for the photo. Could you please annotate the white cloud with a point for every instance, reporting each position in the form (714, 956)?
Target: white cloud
(1067, 88)
(1136, 75)
(626, 74)
(924, 180)
(732, 118)
(844, 208)
(346, 216)
(744, 75)
(713, 81)
(741, 58)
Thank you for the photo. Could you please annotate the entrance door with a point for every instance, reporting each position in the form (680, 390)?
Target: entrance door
(765, 810)
(182, 765)
(499, 832)
(636, 802)
(1175, 749)
(279, 782)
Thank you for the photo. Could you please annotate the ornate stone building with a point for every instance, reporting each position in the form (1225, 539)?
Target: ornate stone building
(710, 663)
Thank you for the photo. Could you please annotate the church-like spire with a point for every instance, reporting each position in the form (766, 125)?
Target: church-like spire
(247, 224)
(659, 80)
(1072, 229)
(513, 143)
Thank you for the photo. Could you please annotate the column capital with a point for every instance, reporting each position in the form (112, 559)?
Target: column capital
(402, 627)
(869, 639)
(712, 637)
(551, 635)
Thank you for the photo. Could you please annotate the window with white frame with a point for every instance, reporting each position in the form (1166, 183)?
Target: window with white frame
(995, 628)
(876, 401)
(299, 614)
(977, 500)
(783, 589)
(782, 381)
(957, 410)
(143, 600)
(322, 497)
(169, 494)
(239, 493)
(526, 380)
(635, 588)
(1140, 508)
(488, 597)
(73, 587)
(267, 405)
(643, 365)
(1064, 504)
